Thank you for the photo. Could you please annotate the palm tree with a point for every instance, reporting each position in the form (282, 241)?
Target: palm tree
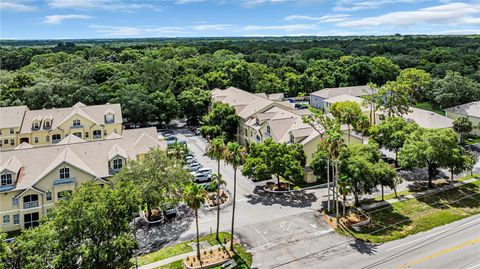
(334, 142)
(178, 150)
(234, 155)
(344, 188)
(194, 195)
(216, 149)
(362, 126)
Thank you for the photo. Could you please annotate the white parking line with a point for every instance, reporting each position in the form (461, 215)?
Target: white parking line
(262, 236)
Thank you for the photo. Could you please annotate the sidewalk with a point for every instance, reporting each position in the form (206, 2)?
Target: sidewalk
(416, 195)
(177, 258)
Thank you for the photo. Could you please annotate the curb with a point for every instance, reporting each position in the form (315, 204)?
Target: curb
(323, 185)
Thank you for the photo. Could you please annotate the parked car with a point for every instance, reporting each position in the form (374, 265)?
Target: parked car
(190, 159)
(170, 211)
(171, 138)
(193, 167)
(204, 171)
(202, 178)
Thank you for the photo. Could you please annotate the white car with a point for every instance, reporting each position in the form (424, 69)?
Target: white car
(203, 171)
(190, 159)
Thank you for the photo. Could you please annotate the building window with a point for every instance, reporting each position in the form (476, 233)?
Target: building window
(97, 134)
(36, 139)
(86, 134)
(12, 142)
(12, 130)
(64, 172)
(0, 142)
(56, 138)
(109, 118)
(76, 123)
(47, 138)
(47, 124)
(30, 201)
(5, 141)
(292, 139)
(16, 219)
(117, 164)
(268, 129)
(15, 201)
(6, 179)
(31, 220)
(36, 125)
(63, 194)
(48, 196)
(6, 219)
(78, 134)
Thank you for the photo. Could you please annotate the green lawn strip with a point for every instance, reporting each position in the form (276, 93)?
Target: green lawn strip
(407, 192)
(472, 140)
(430, 107)
(421, 214)
(178, 249)
(241, 256)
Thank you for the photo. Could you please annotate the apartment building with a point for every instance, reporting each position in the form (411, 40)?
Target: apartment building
(469, 110)
(317, 99)
(33, 179)
(49, 126)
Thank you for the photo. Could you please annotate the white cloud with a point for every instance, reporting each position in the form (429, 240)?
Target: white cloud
(461, 32)
(128, 31)
(181, 2)
(212, 27)
(286, 28)
(254, 3)
(56, 19)
(448, 14)
(114, 5)
(326, 18)
(353, 5)
(19, 6)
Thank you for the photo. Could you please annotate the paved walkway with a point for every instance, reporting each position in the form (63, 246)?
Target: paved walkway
(176, 258)
(416, 195)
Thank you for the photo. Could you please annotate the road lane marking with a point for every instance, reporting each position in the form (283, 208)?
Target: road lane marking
(473, 267)
(428, 236)
(440, 253)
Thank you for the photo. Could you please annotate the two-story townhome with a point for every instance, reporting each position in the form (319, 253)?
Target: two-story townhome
(33, 179)
(317, 99)
(469, 110)
(11, 119)
(50, 126)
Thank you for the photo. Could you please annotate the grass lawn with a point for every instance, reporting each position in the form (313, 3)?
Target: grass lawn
(472, 140)
(178, 249)
(242, 257)
(407, 192)
(430, 107)
(421, 214)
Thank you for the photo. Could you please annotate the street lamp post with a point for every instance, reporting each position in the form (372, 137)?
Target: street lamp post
(328, 185)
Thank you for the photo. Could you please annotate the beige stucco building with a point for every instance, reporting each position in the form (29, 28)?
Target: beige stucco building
(470, 110)
(33, 179)
(49, 126)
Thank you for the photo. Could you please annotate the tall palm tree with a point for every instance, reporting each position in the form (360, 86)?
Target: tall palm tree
(194, 195)
(216, 149)
(234, 155)
(334, 142)
(178, 150)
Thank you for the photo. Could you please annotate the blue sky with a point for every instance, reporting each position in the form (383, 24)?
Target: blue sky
(45, 19)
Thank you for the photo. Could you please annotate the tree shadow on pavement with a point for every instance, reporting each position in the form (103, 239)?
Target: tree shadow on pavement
(153, 237)
(363, 247)
(292, 199)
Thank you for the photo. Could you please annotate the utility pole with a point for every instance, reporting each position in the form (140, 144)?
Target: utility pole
(336, 189)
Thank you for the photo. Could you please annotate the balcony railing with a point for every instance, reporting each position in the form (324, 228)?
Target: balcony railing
(62, 181)
(55, 141)
(97, 136)
(31, 204)
(76, 126)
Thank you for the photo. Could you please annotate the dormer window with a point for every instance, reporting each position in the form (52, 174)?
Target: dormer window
(36, 125)
(6, 179)
(76, 123)
(64, 172)
(117, 164)
(109, 118)
(47, 124)
(268, 129)
(292, 139)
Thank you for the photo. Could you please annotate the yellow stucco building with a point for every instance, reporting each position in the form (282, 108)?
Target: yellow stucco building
(49, 126)
(33, 179)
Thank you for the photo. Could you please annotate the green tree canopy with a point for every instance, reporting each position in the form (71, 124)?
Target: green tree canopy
(454, 89)
(463, 126)
(194, 103)
(222, 120)
(347, 112)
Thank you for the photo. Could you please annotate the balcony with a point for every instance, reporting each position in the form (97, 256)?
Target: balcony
(7, 188)
(31, 204)
(114, 171)
(76, 126)
(63, 181)
(97, 136)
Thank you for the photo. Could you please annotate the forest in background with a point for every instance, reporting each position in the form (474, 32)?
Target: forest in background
(160, 79)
